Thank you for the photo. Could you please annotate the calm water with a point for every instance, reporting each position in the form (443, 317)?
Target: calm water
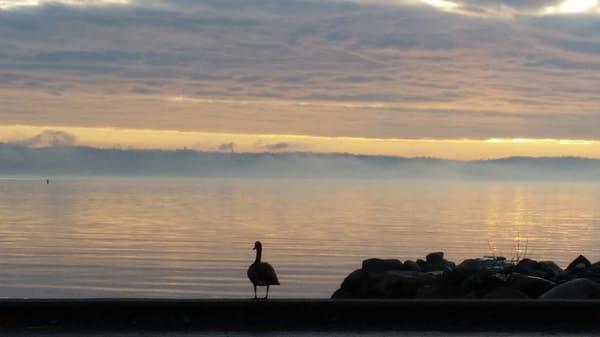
(194, 238)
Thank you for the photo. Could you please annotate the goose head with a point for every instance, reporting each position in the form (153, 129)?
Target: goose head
(257, 246)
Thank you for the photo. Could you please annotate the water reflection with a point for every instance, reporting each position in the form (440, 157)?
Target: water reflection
(193, 238)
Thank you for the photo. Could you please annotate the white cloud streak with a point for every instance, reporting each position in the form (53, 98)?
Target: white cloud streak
(12, 4)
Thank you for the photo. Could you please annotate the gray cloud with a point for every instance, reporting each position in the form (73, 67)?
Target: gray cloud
(278, 146)
(330, 68)
(274, 147)
(227, 147)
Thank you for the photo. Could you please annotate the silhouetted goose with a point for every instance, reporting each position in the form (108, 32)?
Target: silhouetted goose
(261, 273)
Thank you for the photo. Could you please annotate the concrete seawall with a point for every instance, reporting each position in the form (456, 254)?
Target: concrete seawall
(288, 315)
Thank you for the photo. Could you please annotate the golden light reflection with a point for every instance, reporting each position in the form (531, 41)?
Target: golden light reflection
(462, 149)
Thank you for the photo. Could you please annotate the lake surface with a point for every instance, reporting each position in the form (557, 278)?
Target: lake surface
(193, 238)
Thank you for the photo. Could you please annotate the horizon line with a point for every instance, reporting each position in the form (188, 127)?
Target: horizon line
(285, 153)
(454, 149)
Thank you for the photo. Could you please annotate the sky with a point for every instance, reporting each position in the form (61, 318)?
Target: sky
(464, 79)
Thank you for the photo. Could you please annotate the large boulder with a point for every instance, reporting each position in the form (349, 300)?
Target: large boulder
(404, 284)
(378, 266)
(478, 276)
(494, 264)
(411, 266)
(435, 262)
(423, 265)
(457, 276)
(531, 286)
(354, 283)
(580, 264)
(532, 268)
(527, 266)
(590, 275)
(436, 258)
(551, 268)
(471, 265)
(580, 289)
(544, 269)
(482, 282)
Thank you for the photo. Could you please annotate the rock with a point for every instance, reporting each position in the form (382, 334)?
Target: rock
(439, 289)
(505, 293)
(579, 289)
(497, 264)
(551, 269)
(580, 264)
(457, 276)
(494, 264)
(482, 282)
(531, 286)
(471, 265)
(424, 266)
(436, 262)
(533, 268)
(590, 275)
(353, 283)
(486, 277)
(527, 267)
(376, 266)
(404, 284)
(436, 258)
(449, 265)
(342, 294)
(411, 266)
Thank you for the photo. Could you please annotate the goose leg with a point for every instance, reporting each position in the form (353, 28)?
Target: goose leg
(267, 296)
(255, 292)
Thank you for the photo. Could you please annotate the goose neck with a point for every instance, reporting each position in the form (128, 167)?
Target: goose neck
(258, 255)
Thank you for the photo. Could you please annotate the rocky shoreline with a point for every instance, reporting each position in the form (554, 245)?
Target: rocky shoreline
(490, 277)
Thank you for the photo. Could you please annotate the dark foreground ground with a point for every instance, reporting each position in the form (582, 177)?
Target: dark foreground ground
(298, 317)
(295, 334)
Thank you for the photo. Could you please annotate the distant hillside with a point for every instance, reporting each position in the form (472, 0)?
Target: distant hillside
(18, 160)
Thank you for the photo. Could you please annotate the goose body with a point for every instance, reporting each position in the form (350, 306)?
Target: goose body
(261, 273)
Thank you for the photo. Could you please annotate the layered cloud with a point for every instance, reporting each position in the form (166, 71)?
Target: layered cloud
(374, 69)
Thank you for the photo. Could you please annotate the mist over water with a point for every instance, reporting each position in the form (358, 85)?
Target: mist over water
(193, 238)
(64, 160)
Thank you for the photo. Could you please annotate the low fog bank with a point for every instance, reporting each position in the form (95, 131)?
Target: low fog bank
(21, 160)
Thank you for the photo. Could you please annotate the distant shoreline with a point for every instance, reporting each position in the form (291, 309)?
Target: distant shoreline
(21, 160)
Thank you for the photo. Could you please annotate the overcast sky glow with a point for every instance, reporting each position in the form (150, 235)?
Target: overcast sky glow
(338, 69)
(9, 4)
